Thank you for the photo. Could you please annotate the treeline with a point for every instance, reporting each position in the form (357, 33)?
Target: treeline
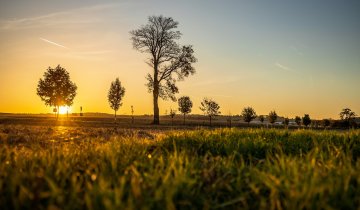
(170, 62)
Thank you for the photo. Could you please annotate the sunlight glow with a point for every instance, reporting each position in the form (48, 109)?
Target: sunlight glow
(64, 109)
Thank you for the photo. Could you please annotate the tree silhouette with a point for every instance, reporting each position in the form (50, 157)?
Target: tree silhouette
(298, 120)
(56, 89)
(210, 108)
(248, 113)
(132, 114)
(347, 115)
(306, 120)
(170, 61)
(185, 105)
(286, 121)
(115, 95)
(172, 115)
(261, 118)
(272, 117)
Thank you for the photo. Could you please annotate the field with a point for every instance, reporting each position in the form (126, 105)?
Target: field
(62, 165)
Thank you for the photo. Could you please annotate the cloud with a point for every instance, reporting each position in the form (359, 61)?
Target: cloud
(283, 67)
(297, 50)
(73, 16)
(53, 43)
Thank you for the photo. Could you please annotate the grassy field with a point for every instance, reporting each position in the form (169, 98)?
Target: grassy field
(60, 167)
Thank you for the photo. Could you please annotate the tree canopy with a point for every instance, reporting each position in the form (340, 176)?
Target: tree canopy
(272, 117)
(298, 120)
(248, 114)
(346, 114)
(56, 89)
(115, 95)
(306, 120)
(185, 105)
(210, 108)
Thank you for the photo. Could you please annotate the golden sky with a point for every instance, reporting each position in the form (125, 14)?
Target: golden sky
(247, 56)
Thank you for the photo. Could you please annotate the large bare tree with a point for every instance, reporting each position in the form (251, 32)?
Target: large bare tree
(169, 61)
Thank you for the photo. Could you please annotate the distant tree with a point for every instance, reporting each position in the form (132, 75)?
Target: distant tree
(298, 120)
(56, 89)
(81, 114)
(347, 116)
(326, 123)
(185, 105)
(248, 114)
(286, 121)
(115, 95)
(272, 117)
(132, 114)
(170, 61)
(261, 118)
(306, 120)
(172, 115)
(210, 108)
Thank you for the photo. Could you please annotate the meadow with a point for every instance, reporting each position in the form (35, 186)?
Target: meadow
(68, 167)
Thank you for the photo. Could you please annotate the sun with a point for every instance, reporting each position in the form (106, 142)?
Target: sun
(64, 109)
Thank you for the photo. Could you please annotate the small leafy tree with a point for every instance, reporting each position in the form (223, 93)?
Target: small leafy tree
(56, 89)
(347, 116)
(261, 118)
(172, 115)
(132, 114)
(286, 121)
(210, 108)
(272, 117)
(306, 120)
(115, 95)
(248, 114)
(298, 120)
(185, 105)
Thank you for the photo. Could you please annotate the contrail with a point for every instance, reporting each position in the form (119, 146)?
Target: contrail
(48, 41)
(283, 67)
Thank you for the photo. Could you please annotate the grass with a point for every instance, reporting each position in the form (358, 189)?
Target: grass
(107, 168)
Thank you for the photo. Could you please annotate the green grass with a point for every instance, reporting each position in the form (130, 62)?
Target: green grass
(45, 168)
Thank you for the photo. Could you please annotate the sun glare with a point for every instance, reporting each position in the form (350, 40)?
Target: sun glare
(63, 109)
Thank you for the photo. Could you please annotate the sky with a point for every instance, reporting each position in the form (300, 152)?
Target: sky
(294, 57)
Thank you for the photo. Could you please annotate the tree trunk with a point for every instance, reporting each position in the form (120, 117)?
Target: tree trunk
(184, 118)
(156, 105)
(156, 109)
(115, 115)
(156, 92)
(210, 120)
(57, 116)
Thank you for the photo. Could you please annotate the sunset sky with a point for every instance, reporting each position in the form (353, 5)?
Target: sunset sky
(294, 57)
